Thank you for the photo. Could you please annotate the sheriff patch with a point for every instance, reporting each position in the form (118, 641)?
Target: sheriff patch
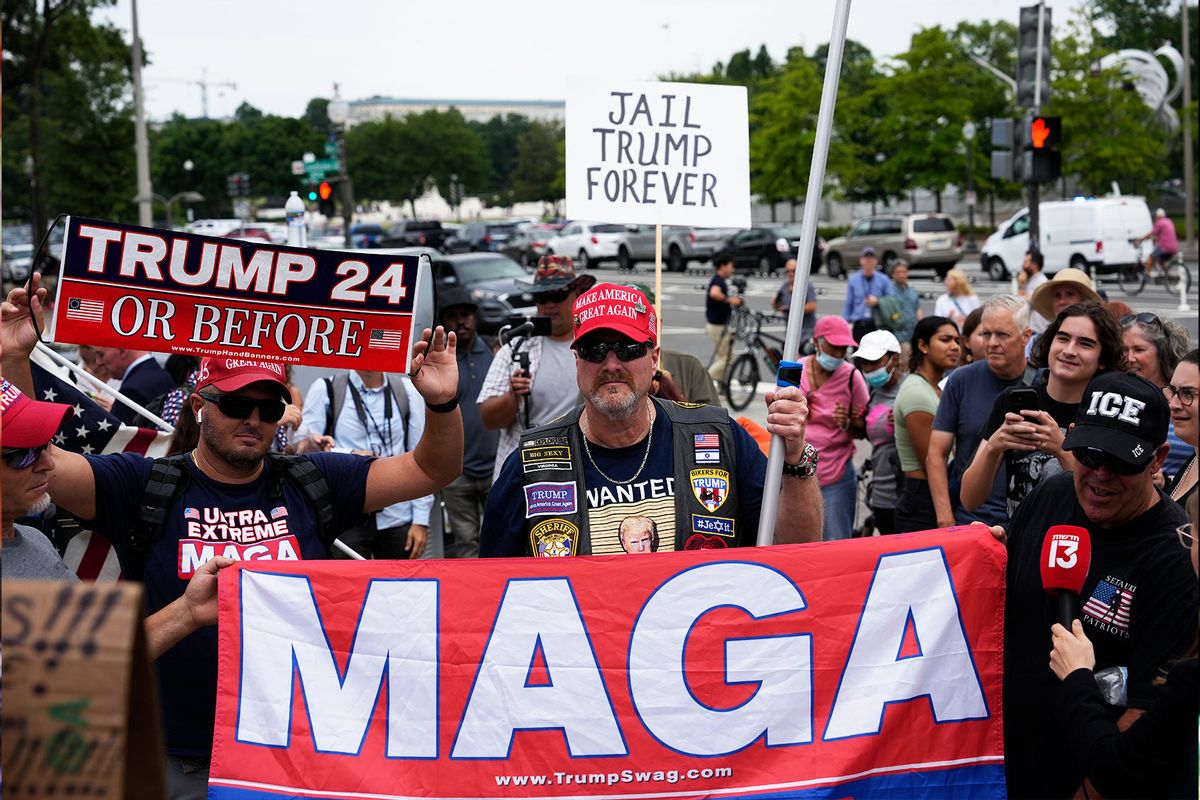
(711, 487)
(554, 538)
(544, 499)
(722, 526)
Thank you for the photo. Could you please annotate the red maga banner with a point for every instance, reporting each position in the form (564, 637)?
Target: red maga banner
(867, 668)
(174, 292)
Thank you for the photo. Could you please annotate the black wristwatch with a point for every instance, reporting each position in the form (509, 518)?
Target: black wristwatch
(807, 466)
(443, 408)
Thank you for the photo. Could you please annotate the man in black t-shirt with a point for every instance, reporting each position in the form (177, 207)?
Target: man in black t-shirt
(1138, 604)
(718, 305)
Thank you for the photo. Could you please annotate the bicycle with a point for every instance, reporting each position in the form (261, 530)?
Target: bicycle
(1132, 278)
(741, 377)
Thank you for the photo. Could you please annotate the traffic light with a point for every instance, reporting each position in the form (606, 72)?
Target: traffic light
(1028, 62)
(1040, 137)
(1006, 162)
(312, 195)
(325, 195)
(238, 184)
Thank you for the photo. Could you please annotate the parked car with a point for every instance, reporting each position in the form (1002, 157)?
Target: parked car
(767, 248)
(498, 284)
(366, 234)
(414, 233)
(680, 245)
(250, 233)
(1088, 234)
(213, 227)
(482, 237)
(923, 240)
(528, 244)
(18, 260)
(589, 243)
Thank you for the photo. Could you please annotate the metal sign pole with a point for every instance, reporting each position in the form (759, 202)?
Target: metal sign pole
(808, 235)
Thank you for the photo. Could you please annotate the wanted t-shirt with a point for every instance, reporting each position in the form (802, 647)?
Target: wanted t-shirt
(651, 495)
(208, 519)
(1026, 470)
(1138, 607)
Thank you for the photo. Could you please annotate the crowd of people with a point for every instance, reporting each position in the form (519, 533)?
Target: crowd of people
(594, 440)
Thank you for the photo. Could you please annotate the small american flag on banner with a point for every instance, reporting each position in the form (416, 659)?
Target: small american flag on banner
(85, 310)
(1109, 604)
(383, 340)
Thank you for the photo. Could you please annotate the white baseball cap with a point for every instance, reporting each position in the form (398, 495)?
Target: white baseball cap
(876, 344)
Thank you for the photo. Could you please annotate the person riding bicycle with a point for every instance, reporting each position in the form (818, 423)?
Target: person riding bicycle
(1166, 243)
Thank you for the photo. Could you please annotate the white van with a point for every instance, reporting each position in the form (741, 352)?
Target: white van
(1091, 234)
(218, 227)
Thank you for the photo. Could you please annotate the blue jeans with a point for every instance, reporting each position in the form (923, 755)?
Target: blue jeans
(840, 498)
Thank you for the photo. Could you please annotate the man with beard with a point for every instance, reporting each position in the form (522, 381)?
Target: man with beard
(621, 454)
(230, 499)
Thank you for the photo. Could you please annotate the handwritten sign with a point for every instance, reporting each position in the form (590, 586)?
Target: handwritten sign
(869, 668)
(173, 292)
(658, 153)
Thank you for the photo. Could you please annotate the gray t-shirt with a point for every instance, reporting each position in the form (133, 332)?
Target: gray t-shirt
(554, 392)
(29, 554)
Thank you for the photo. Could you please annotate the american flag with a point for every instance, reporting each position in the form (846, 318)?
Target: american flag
(92, 430)
(278, 511)
(383, 340)
(1109, 604)
(708, 448)
(85, 310)
(191, 513)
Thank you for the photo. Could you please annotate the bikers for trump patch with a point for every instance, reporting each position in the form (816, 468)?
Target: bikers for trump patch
(711, 487)
(554, 538)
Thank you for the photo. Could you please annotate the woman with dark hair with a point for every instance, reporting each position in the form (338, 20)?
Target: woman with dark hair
(1185, 416)
(1083, 341)
(974, 347)
(935, 351)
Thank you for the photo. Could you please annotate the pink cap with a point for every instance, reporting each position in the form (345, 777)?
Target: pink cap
(29, 423)
(615, 308)
(836, 331)
(231, 374)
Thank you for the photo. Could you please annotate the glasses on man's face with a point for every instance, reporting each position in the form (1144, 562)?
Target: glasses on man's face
(626, 351)
(1144, 318)
(1092, 458)
(238, 407)
(1186, 537)
(1186, 394)
(23, 457)
(556, 296)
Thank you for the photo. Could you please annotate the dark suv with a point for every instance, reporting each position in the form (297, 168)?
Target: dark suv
(482, 237)
(499, 285)
(415, 233)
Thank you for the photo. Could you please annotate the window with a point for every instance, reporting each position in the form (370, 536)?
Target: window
(886, 225)
(1020, 225)
(932, 225)
(570, 230)
(609, 229)
(861, 228)
(486, 269)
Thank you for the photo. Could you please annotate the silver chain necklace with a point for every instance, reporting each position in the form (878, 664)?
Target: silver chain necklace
(645, 456)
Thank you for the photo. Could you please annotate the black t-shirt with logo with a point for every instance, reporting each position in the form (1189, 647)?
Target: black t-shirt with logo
(1138, 607)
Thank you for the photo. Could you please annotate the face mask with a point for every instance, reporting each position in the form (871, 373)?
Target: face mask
(878, 377)
(828, 363)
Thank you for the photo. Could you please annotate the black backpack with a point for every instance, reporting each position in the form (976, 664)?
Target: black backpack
(168, 477)
(336, 387)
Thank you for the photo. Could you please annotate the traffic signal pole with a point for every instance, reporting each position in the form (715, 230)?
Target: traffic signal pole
(1032, 187)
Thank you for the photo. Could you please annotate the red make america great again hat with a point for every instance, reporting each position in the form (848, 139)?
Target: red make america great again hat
(616, 308)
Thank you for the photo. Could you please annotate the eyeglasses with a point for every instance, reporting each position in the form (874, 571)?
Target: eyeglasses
(1186, 537)
(1144, 318)
(626, 351)
(1092, 458)
(556, 296)
(23, 457)
(1186, 394)
(238, 407)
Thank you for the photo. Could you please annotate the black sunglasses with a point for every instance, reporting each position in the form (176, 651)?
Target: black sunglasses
(238, 407)
(626, 351)
(556, 296)
(1144, 318)
(23, 457)
(1092, 458)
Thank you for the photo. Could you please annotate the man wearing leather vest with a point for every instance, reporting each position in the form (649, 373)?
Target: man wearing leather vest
(625, 461)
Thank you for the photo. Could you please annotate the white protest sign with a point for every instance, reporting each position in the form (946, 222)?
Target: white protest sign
(658, 153)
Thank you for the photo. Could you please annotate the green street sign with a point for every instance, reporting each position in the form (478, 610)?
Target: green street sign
(331, 149)
(318, 169)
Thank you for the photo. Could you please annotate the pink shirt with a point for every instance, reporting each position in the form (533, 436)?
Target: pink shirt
(836, 447)
(1164, 235)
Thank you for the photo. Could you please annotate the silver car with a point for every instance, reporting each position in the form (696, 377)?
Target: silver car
(923, 240)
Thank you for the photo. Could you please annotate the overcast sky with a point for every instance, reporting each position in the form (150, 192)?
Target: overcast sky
(281, 54)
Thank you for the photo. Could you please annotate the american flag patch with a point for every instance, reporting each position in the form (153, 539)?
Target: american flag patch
(708, 448)
(85, 310)
(383, 340)
(191, 513)
(1109, 605)
(278, 511)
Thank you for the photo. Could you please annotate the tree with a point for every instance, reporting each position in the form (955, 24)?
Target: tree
(1134, 24)
(539, 169)
(316, 114)
(500, 136)
(783, 118)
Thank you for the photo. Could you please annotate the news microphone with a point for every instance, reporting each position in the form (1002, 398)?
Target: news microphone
(1066, 559)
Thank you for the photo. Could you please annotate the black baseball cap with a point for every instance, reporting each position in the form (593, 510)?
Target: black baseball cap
(1123, 415)
(455, 296)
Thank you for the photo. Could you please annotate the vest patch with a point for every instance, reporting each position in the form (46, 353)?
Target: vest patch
(722, 526)
(554, 538)
(557, 456)
(707, 448)
(698, 541)
(710, 486)
(543, 499)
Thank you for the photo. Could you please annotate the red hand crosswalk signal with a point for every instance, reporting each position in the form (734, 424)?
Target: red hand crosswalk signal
(1044, 132)
(325, 191)
(1041, 135)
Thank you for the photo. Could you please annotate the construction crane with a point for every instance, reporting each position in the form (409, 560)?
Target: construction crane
(203, 83)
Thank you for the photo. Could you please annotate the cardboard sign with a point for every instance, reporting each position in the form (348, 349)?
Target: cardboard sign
(867, 668)
(658, 153)
(173, 292)
(79, 713)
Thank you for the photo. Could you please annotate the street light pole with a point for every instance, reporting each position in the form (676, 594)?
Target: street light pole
(339, 112)
(968, 133)
(141, 143)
